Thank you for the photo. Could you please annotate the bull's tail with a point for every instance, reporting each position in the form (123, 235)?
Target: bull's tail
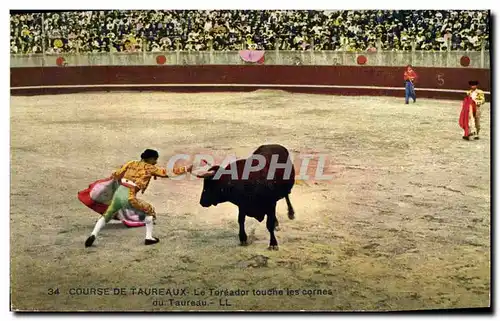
(291, 212)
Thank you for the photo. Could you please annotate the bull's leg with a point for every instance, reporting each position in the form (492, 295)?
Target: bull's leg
(242, 234)
(277, 225)
(271, 224)
(291, 212)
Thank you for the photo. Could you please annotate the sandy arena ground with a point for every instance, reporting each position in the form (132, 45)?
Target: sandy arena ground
(405, 223)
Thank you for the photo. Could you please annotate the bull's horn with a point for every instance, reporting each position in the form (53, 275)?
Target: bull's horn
(205, 174)
(205, 163)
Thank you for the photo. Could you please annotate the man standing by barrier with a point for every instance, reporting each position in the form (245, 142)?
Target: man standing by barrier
(478, 96)
(471, 113)
(410, 76)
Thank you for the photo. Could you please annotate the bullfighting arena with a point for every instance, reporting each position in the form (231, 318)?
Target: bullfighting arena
(403, 225)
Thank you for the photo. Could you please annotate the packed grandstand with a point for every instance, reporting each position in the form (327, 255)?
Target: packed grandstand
(197, 30)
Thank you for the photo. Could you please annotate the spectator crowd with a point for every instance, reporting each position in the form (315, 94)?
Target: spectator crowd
(195, 30)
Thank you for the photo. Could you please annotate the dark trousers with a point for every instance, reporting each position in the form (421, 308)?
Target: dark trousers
(409, 91)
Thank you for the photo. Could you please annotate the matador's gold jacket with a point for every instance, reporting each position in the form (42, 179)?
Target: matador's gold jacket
(141, 172)
(477, 95)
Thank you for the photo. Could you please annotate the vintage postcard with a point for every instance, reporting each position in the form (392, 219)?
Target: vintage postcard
(250, 160)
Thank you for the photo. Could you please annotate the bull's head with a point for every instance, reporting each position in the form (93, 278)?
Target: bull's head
(212, 193)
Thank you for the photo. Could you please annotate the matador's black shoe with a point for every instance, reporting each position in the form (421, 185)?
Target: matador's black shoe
(90, 241)
(149, 242)
(465, 137)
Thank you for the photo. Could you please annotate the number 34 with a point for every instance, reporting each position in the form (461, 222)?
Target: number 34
(53, 291)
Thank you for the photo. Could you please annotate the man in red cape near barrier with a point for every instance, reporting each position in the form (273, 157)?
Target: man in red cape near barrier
(470, 115)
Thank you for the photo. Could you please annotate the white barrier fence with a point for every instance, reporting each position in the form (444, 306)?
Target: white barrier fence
(478, 59)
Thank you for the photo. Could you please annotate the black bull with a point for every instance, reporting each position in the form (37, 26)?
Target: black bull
(255, 195)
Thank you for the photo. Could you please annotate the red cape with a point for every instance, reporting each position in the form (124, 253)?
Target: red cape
(85, 197)
(463, 120)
